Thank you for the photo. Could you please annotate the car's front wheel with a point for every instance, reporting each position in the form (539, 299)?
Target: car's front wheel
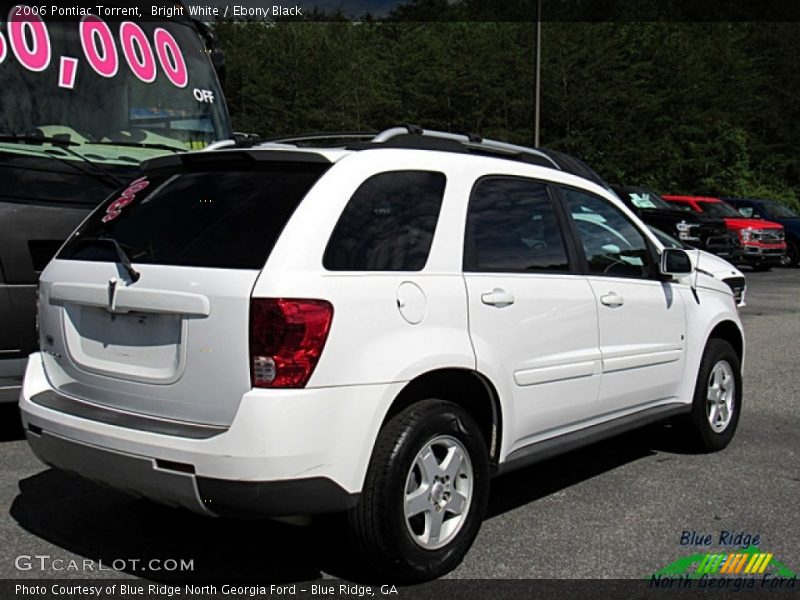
(792, 256)
(717, 401)
(425, 493)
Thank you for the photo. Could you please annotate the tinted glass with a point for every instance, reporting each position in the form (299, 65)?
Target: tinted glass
(613, 246)
(718, 209)
(213, 218)
(666, 239)
(779, 211)
(642, 198)
(95, 110)
(512, 226)
(388, 224)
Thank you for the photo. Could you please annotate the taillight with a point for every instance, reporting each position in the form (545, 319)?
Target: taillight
(286, 340)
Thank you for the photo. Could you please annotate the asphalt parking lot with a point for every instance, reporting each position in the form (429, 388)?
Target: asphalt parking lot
(616, 509)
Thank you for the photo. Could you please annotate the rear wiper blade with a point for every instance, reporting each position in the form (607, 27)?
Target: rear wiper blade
(124, 260)
(139, 145)
(63, 142)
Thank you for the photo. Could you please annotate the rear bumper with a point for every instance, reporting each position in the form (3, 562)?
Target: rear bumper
(287, 452)
(9, 391)
(145, 477)
(11, 371)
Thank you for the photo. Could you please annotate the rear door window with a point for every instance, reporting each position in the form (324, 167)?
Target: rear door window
(512, 227)
(223, 218)
(388, 224)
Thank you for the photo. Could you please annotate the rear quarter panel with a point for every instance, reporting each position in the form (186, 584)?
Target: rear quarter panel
(369, 340)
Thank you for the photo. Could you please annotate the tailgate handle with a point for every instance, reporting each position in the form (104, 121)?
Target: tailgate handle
(132, 299)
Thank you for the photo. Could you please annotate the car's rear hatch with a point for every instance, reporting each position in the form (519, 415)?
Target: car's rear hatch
(145, 309)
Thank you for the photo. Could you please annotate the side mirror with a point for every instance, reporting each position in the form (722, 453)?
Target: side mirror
(675, 261)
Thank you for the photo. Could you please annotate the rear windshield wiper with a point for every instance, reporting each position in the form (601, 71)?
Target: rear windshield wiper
(63, 142)
(140, 145)
(124, 260)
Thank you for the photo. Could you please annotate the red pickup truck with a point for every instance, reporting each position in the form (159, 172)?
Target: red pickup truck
(763, 242)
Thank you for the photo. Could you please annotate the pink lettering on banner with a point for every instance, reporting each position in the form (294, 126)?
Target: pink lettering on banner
(171, 58)
(125, 198)
(67, 72)
(30, 40)
(137, 51)
(98, 46)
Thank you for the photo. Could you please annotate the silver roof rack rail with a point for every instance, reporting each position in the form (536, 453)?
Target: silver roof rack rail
(468, 140)
(323, 136)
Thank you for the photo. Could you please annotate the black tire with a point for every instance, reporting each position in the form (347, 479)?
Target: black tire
(378, 524)
(792, 258)
(697, 428)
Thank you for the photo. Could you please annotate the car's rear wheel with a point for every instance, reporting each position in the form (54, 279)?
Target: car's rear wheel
(717, 402)
(425, 493)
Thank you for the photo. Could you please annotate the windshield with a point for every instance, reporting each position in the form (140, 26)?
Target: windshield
(666, 239)
(718, 209)
(115, 92)
(643, 198)
(779, 211)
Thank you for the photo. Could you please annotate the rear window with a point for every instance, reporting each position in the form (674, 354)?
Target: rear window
(220, 218)
(388, 224)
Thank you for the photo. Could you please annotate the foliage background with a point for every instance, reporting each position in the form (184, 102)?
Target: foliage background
(684, 107)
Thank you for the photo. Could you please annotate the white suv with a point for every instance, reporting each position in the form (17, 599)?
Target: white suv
(375, 329)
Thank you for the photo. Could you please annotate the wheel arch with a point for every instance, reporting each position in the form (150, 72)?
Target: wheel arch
(467, 388)
(731, 333)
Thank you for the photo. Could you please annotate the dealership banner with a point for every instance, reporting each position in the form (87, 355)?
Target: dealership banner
(407, 10)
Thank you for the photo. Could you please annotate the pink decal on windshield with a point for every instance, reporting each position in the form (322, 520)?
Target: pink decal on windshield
(3, 47)
(125, 198)
(24, 28)
(137, 51)
(98, 46)
(171, 58)
(67, 72)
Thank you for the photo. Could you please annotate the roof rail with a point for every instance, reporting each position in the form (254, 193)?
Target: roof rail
(414, 136)
(323, 136)
(469, 140)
